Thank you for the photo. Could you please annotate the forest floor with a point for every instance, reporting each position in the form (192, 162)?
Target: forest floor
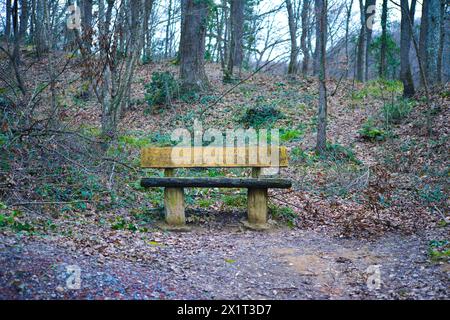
(372, 204)
(223, 262)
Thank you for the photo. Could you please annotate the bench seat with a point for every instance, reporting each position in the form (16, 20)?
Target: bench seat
(207, 182)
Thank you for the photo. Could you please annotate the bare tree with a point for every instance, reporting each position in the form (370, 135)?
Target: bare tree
(236, 53)
(192, 44)
(365, 39)
(316, 61)
(16, 34)
(443, 17)
(429, 39)
(383, 49)
(146, 34)
(8, 18)
(292, 19)
(321, 21)
(305, 16)
(446, 44)
(169, 22)
(113, 73)
(348, 15)
(369, 12)
(86, 24)
(405, 45)
(41, 16)
(23, 18)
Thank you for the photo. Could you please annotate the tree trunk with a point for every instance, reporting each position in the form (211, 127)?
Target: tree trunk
(86, 24)
(347, 33)
(236, 53)
(16, 34)
(220, 20)
(321, 20)
(169, 22)
(360, 55)
(369, 11)
(23, 18)
(134, 49)
(40, 20)
(442, 18)
(446, 49)
(304, 36)
(383, 61)
(405, 45)
(316, 62)
(146, 36)
(8, 18)
(33, 19)
(429, 39)
(292, 19)
(192, 45)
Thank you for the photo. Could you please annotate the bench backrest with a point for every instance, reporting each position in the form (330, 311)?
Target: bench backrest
(210, 157)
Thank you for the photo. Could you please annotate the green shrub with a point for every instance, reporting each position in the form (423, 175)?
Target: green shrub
(11, 219)
(236, 201)
(392, 51)
(431, 195)
(370, 132)
(378, 89)
(290, 135)
(439, 250)
(122, 224)
(298, 154)
(3, 139)
(261, 115)
(396, 111)
(284, 214)
(205, 203)
(162, 89)
(338, 152)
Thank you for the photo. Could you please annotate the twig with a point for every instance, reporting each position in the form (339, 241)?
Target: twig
(121, 163)
(442, 215)
(48, 202)
(236, 85)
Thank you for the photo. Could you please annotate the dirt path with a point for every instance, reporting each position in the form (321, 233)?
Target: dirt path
(226, 263)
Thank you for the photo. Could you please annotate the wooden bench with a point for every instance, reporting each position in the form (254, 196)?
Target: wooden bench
(169, 159)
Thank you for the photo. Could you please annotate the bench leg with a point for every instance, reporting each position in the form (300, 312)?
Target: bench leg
(257, 206)
(174, 206)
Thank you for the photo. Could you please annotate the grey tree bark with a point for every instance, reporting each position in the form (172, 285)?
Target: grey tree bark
(304, 37)
(8, 18)
(321, 20)
(192, 45)
(32, 19)
(429, 39)
(369, 12)
(167, 37)
(446, 48)
(40, 20)
(236, 53)
(23, 18)
(146, 35)
(292, 20)
(407, 19)
(86, 24)
(383, 49)
(361, 49)
(442, 32)
(348, 15)
(16, 34)
(316, 61)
